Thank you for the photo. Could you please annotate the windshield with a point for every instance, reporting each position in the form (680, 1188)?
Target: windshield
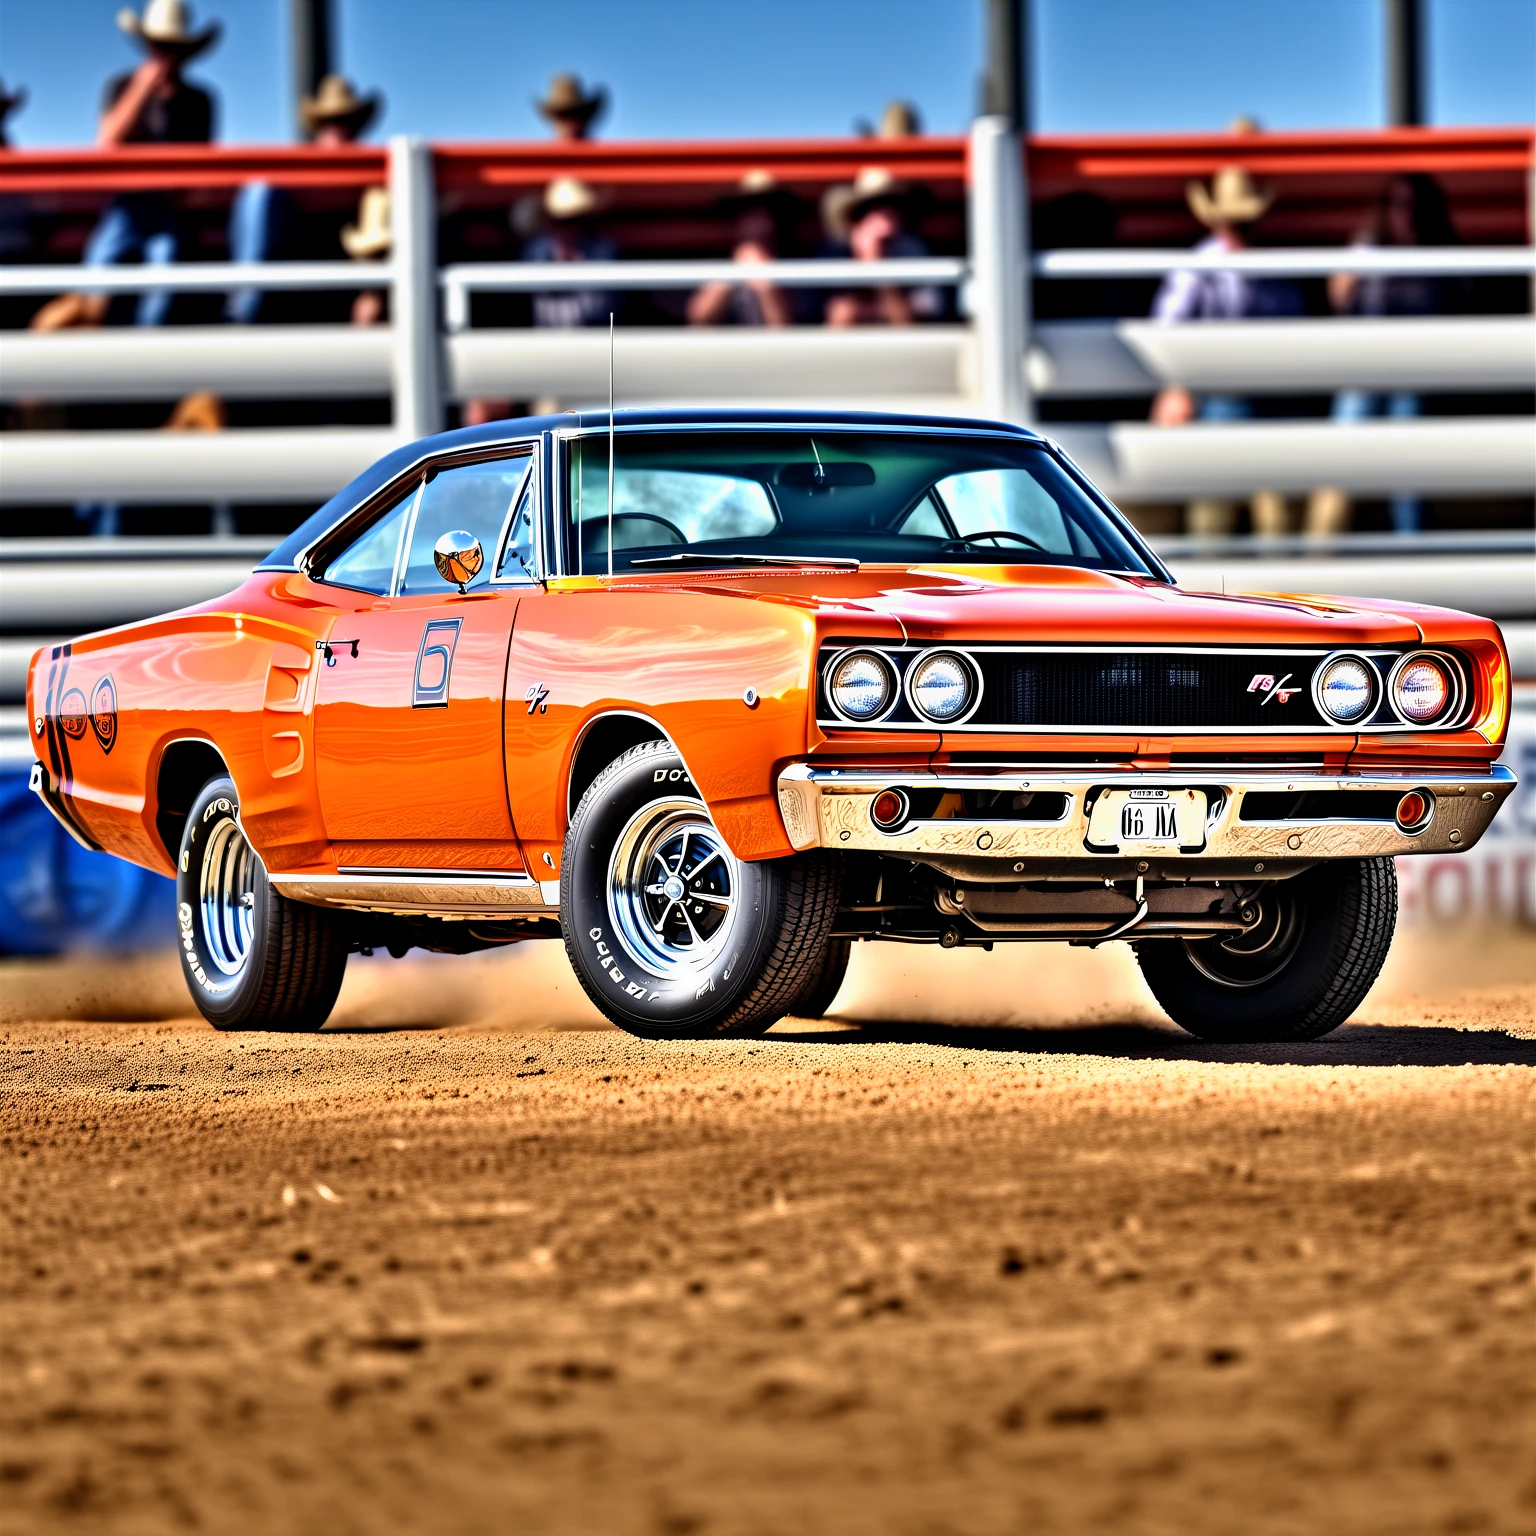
(690, 498)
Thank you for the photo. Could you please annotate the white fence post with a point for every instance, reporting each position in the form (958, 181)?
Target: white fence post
(413, 314)
(999, 267)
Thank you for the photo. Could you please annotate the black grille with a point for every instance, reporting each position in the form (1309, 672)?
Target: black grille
(1161, 691)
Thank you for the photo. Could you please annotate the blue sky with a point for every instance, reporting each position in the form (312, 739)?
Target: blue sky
(464, 69)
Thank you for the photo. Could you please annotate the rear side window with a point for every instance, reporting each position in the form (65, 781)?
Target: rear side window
(368, 563)
(473, 497)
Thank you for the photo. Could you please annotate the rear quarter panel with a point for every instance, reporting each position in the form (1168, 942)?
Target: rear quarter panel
(237, 673)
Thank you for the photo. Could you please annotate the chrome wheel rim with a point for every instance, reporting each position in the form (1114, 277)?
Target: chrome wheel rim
(227, 896)
(672, 889)
(1259, 953)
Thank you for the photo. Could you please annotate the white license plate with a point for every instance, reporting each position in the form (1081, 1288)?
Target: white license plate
(1148, 818)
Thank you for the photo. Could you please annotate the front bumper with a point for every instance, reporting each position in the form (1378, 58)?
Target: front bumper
(830, 808)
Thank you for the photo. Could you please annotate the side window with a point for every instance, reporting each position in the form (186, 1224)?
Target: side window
(1011, 501)
(517, 558)
(474, 497)
(923, 521)
(368, 563)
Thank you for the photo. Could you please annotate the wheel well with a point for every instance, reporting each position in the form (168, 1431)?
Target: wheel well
(185, 766)
(605, 740)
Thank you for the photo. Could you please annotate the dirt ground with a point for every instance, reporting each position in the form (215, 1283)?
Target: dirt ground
(1026, 1259)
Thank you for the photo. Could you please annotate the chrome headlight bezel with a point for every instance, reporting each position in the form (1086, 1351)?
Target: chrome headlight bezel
(967, 665)
(1373, 674)
(1455, 694)
(892, 684)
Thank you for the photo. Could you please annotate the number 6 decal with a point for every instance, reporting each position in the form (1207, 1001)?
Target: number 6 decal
(434, 664)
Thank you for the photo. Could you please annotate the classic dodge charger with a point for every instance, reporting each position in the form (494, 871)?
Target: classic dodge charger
(712, 696)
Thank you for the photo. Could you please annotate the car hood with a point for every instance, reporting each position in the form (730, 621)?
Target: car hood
(1059, 604)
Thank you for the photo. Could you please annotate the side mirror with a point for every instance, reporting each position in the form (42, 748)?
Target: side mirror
(458, 557)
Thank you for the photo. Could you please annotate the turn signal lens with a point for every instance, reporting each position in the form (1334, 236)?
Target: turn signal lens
(861, 685)
(1346, 689)
(1413, 810)
(1421, 690)
(942, 686)
(889, 809)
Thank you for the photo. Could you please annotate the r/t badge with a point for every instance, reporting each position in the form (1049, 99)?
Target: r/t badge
(536, 696)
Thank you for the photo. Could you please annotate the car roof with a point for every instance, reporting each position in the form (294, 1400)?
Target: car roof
(379, 474)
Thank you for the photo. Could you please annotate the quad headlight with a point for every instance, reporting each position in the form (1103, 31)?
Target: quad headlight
(1345, 689)
(942, 686)
(1423, 688)
(861, 685)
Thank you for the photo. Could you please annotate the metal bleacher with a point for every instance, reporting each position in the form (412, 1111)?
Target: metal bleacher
(994, 359)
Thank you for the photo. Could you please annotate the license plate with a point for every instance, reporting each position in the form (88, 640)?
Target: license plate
(1148, 818)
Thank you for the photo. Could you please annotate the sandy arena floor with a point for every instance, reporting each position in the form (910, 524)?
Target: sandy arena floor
(1027, 1260)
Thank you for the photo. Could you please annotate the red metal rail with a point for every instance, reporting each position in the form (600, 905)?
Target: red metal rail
(1324, 178)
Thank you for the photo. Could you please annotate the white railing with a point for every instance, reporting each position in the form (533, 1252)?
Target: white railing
(992, 365)
(1402, 261)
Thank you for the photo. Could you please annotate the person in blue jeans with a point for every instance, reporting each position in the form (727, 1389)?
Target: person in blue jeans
(261, 217)
(1412, 210)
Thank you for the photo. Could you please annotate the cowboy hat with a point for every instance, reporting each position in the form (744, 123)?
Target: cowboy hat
(759, 189)
(843, 206)
(336, 102)
(1232, 199)
(370, 236)
(900, 120)
(566, 99)
(10, 101)
(167, 24)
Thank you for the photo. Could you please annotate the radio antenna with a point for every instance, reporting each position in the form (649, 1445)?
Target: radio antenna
(610, 445)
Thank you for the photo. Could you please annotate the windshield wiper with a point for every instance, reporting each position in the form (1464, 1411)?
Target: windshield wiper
(693, 557)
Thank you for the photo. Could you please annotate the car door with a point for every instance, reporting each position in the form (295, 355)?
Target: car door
(408, 715)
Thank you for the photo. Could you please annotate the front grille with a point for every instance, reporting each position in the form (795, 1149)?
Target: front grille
(1155, 690)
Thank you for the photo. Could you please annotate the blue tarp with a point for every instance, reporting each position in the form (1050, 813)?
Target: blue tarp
(57, 896)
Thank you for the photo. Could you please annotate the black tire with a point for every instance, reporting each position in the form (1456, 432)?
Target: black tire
(281, 967)
(1300, 972)
(821, 990)
(733, 965)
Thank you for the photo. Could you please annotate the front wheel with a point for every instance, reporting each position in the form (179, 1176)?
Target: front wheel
(668, 932)
(1299, 971)
(252, 959)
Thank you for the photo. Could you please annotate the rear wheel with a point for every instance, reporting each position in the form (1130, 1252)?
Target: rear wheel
(669, 933)
(252, 959)
(1298, 972)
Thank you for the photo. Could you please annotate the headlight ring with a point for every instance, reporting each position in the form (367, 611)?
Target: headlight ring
(1346, 689)
(861, 686)
(1411, 691)
(943, 686)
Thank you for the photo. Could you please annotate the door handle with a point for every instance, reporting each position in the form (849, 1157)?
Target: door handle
(328, 648)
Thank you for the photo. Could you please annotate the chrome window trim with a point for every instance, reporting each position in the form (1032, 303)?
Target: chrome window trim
(528, 482)
(417, 466)
(898, 685)
(560, 436)
(924, 718)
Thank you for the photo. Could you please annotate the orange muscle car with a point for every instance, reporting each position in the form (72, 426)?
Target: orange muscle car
(713, 696)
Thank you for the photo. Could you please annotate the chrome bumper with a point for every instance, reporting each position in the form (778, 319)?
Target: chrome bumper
(830, 808)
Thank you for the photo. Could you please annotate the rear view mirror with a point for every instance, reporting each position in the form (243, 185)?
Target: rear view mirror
(812, 476)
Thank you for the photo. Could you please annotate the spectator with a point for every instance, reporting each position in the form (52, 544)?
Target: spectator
(10, 101)
(153, 104)
(14, 233)
(369, 240)
(570, 209)
(570, 109)
(1412, 211)
(1226, 208)
(261, 218)
(762, 210)
(869, 220)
